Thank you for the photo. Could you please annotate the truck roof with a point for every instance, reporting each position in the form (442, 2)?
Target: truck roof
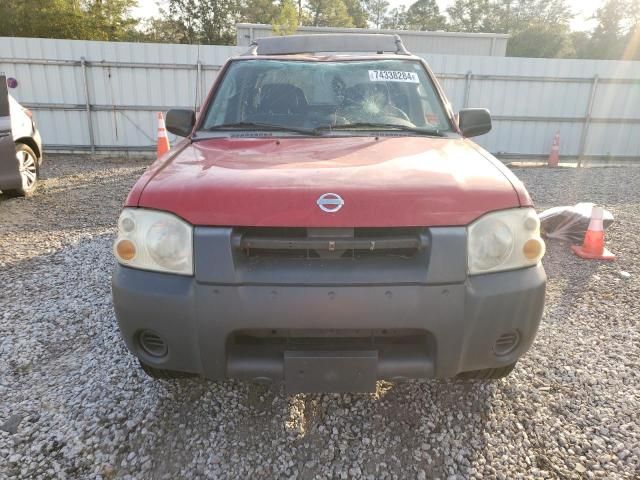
(325, 43)
(312, 57)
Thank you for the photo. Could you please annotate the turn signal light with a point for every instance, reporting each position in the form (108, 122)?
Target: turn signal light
(126, 250)
(533, 248)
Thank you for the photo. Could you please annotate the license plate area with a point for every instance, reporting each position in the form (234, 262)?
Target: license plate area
(330, 371)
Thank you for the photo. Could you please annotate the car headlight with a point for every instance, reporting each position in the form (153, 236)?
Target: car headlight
(153, 240)
(504, 240)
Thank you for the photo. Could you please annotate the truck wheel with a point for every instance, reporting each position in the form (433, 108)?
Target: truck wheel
(28, 165)
(487, 373)
(162, 374)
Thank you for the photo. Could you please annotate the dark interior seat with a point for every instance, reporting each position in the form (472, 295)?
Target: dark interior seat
(282, 98)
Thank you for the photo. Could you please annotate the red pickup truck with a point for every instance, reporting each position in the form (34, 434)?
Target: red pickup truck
(326, 222)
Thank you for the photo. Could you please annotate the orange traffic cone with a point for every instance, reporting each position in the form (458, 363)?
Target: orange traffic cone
(593, 245)
(163, 140)
(554, 156)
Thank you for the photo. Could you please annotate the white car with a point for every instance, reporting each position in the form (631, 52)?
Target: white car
(20, 148)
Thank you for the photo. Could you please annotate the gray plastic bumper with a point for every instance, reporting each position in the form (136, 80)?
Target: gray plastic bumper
(461, 320)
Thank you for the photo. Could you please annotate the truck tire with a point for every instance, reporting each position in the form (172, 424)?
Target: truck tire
(28, 164)
(487, 373)
(162, 374)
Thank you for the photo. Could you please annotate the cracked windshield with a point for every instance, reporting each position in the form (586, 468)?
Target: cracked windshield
(393, 94)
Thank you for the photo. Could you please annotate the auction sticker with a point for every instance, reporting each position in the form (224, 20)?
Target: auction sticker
(393, 76)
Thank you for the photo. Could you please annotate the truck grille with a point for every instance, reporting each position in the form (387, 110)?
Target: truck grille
(325, 338)
(330, 243)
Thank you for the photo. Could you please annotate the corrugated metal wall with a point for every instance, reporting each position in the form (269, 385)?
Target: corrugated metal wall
(594, 104)
(126, 84)
(449, 43)
(531, 98)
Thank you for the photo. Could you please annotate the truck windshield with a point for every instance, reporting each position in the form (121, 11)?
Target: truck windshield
(309, 96)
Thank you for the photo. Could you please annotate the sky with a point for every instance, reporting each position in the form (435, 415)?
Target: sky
(584, 9)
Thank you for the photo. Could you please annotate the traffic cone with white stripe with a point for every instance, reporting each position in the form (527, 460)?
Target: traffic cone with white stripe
(593, 246)
(163, 140)
(554, 156)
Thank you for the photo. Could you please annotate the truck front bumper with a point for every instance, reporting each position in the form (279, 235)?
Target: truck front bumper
(250, 331)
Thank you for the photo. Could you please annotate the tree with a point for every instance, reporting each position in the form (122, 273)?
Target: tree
(73, 19)
(358, 13)
(617, 34)
(397, 19)
(377, 11)
(538, 28)
(110, 19)
(286, 21)
(541, 41)
(425, 15)
(259, 11)
(507, 16)
(607, 39)
(328, 13)
(468, 15)
(161, 30)
(205, 21)
(580, 42)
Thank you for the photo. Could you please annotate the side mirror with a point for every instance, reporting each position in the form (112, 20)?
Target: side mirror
(180, 122)
(474, 121)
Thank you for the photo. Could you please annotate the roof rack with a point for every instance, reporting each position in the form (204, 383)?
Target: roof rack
(293, 44)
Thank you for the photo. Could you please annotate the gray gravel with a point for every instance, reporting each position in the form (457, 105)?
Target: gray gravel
(74, 404)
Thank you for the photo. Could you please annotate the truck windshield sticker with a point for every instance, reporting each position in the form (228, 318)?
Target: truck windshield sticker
(393, 76)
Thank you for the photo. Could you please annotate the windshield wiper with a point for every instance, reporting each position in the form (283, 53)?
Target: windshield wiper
(381, 126)
(260, 126)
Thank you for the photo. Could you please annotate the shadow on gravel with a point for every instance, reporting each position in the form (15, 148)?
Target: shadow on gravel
(571, 282)
(400, 430)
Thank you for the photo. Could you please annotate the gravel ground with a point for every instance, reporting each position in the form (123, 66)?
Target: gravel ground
(74, 403)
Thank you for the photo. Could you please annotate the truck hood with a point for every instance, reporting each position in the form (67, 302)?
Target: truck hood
(385, 181)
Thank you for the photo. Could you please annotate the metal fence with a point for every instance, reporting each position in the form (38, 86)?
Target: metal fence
(99, 96)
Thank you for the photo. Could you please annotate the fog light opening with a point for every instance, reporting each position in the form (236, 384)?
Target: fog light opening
(152, 344)
(506, 343)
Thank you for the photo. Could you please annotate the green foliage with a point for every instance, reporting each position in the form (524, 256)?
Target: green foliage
(209, 22)
(328, 13)
(580, 42)
(109, 19)
(286, 21)
(616, 35)
(541, 41)
(425, 15)
(507, 16)
(260, 11)
(396, 19)
(160, 30)
(608, 39)
(358, 13)
(74, 19)
(469, 15)
(538, 28)
(377, 11)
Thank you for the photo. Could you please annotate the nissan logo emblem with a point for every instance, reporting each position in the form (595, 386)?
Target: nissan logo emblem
(330, 202)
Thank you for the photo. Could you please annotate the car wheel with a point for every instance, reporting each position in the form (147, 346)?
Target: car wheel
(487, 373)
(28, 165)
(162, 374)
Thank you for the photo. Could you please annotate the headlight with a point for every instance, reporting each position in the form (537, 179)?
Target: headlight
(153, 240)
(504, 240)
